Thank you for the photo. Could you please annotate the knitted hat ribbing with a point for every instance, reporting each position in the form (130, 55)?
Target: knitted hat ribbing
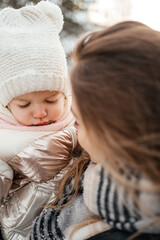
(31, 54)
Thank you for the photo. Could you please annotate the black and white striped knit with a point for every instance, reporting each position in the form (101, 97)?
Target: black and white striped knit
(58, 224)
(116, 206)
(101, 197)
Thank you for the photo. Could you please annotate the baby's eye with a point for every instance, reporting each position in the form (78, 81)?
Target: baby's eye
(25, 105)
(51, 101)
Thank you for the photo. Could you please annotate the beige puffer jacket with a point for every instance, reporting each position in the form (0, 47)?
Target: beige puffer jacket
(38, 169)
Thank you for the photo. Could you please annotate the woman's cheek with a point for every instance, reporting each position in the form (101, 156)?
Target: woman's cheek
(84, 141)
(81, 138)
(94, 152)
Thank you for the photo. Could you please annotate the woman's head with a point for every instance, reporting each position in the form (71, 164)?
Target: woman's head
(116, 95)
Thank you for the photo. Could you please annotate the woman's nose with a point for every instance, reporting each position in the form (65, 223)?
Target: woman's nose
(40, 112)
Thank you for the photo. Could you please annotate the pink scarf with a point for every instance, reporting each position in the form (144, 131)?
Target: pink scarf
(7, 122)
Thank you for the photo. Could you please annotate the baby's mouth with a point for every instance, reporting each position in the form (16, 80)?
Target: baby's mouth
(44, 123)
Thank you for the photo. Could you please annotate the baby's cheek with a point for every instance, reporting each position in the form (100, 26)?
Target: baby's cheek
(56, 115)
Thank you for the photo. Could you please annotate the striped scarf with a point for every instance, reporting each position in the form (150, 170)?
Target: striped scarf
(98, 196)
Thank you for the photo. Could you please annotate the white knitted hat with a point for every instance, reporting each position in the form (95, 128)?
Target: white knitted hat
(31, 54)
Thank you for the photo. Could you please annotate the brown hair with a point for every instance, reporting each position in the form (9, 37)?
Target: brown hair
(116, 83)
(119, 69)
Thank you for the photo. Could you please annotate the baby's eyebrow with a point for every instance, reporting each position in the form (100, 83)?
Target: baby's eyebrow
(21, 99)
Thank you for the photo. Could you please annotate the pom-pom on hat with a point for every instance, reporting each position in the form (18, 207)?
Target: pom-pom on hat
(31, 55)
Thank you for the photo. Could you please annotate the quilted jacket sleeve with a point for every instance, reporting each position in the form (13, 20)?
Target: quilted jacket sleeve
(6, 176)
(46, 156)
(26, 204)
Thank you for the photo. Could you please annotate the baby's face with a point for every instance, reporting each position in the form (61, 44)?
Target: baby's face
(37, 108)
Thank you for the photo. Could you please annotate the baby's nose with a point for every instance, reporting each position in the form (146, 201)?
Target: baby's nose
(40, 113)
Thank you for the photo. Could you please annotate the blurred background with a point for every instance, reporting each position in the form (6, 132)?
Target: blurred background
(87, 15)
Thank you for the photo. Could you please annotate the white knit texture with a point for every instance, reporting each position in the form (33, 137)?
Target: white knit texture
(31, 54)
